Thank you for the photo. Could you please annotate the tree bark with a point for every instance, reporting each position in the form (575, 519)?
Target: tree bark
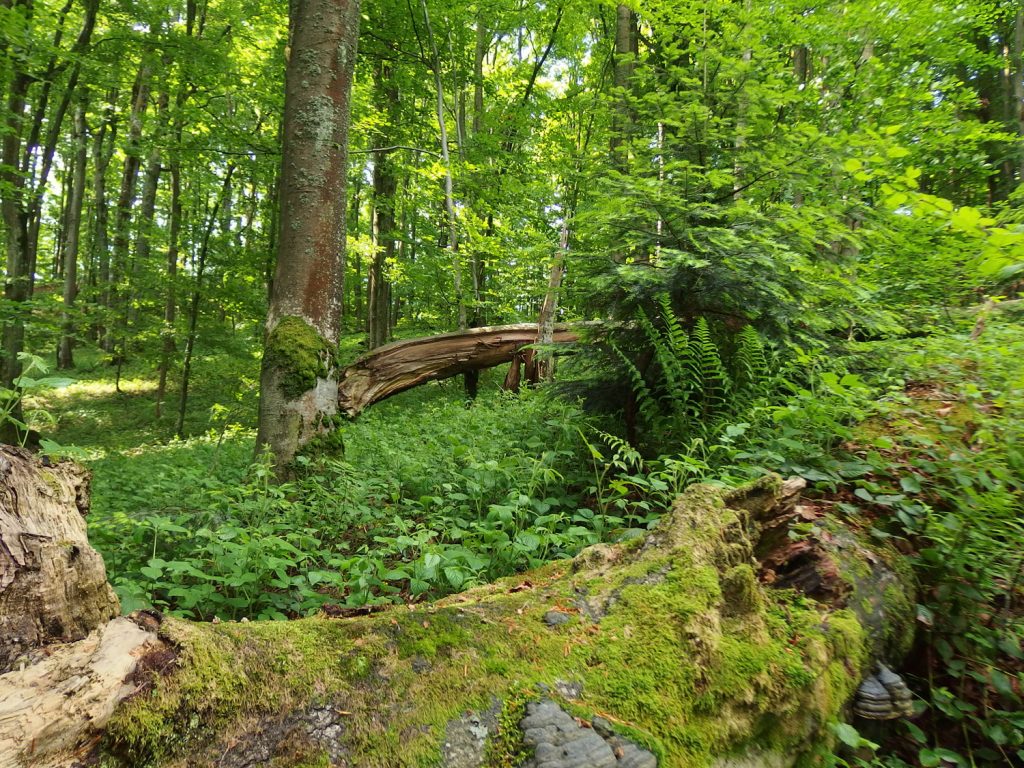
(673, 644)
(549, 307)
(298, 381)
(171, 295)
(17, 282)
(114, 295)
(625, 66)
(1017, 112)
(72, 230)
(102, 152)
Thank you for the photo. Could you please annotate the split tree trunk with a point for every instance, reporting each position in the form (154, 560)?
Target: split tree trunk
(402, 365)
(670, 644)
(53, 586)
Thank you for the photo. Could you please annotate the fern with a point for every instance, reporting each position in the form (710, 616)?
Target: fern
(675, 389)
(692, 393)
(624, 456)
(714, 383)
(674, 333)
(646, 405)
(750, 365)
(677, 343)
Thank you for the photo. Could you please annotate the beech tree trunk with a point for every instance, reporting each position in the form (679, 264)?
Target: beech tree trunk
(113, 295)
(103, 146)
(298, 380)
(672, 645)
(449, 197)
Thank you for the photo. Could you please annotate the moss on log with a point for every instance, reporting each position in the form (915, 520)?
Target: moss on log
(669, 645)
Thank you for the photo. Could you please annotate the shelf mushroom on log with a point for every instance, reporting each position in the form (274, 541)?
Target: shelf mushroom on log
(669, 649)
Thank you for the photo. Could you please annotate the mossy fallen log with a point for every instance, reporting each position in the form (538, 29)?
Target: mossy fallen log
(665, 650)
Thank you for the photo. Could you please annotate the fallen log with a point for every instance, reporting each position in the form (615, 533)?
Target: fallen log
(663, 650)
(401, 365)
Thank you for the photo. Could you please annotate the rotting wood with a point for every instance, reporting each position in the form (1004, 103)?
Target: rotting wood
(53, 585)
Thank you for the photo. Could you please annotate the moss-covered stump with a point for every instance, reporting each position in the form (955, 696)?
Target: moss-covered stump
(671, 642)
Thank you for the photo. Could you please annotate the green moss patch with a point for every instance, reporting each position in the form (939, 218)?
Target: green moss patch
(299, 353)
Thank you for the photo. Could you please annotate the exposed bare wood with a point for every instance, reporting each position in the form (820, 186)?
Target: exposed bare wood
(53, 585)
(54, 709)
(402, 365)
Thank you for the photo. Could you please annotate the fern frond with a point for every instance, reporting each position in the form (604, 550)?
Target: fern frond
(715, 384)
(751, 365)
(675, 385)
(677, 338)
(646, 405)
(624, 455)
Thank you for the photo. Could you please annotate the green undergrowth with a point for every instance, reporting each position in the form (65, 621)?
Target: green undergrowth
(684, 671)
(920, 440)
(945, 476)
(408, 511)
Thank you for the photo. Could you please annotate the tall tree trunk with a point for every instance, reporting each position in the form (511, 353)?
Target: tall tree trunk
(144, 230)
(170, 297)
(385, 188)
(197, 297)
(625, 66)
(449, 199)
(126, 195)
(17, 283)
(549, 307)
(1018, 87)
(298, 392)
(357, 284)
(622, 121)
(102, 153)
(742, 109)
(47, 151)
(57, 263)
(478, 260)
(72, 228)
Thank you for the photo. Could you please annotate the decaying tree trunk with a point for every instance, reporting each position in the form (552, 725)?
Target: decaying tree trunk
(53, 586)
(402, 365)
(666, 650)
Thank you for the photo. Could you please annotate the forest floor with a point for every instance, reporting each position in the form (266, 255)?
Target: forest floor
(432, 495)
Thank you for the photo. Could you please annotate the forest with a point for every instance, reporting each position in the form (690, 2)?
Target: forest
(507, 383)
